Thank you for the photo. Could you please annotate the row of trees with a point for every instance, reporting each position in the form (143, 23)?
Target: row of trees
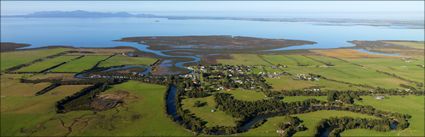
(47, 89)
(10, 70)
(346, 97)
(247, 110)
(332, 127)
(82, 99)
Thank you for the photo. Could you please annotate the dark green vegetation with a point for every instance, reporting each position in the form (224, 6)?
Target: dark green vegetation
(74, 92)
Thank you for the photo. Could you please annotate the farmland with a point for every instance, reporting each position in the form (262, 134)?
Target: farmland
(79, 65)
(37, 67)
(107, 98)
(13, 58)
(125, 60)
(208, 112)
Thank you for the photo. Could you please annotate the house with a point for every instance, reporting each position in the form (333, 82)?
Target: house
(280, 131)
(380, 97)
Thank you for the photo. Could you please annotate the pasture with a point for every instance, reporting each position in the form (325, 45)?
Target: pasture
(141, 113)
(216, 118)
(125, 60)
(39, 66)
(14, 58)
(328, 67)
(246, 95)
(22, 112)
(412, 105)
(310, 120)
(79, 65)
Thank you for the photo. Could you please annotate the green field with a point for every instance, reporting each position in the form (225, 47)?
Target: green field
(21, 112)
(125, 60)
(144, 100)
(310, 121)
(405, 69)
(341, 71)
(79, 65)
(412, 105)
(142, 113)
(213, 118)
(39, 66)
(14, 58)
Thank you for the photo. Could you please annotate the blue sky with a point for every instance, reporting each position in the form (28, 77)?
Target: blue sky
(330, 9)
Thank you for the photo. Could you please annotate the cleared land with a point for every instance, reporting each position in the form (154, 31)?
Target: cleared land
(81, 64)
(412, 105)
(216, 118)
(310, 121)
(141, 113)
(14, 58)
(336, 70)
(125, 60)
(22, 112)
(39, 66)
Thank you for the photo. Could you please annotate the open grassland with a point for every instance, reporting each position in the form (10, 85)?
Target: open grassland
(416, 45)
(246, 95)
(407, 69)
(216, 118)
(22, 112)
(125, 60)
(280, 59)
(102, 51)
(310, 121)
(39, 66)
(412, 105)
(10, 86)
(328, 67)
(79, 65)
(347, 53)
(14, 58)
(141, 113)
(288, 83)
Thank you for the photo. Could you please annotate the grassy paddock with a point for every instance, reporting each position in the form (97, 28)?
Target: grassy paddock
(39, 66)
(21, 112)
(142, 113)
(125, 60)
(216, 118)
(246, 95)
(310, 121)
(79, 65)
(243, 59)
(412, 105)
(14, 58)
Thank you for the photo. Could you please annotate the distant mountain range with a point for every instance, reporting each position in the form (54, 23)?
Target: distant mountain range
(322, 21)
(79, 14)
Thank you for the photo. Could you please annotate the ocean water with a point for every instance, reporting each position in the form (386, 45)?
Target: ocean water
(100, 32)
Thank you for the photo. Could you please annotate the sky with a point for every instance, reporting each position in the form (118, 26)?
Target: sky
(411, 10)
